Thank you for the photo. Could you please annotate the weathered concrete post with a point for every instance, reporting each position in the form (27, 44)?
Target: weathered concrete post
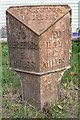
(39, 41)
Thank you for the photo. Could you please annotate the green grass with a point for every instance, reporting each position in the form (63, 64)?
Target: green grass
(66, 106)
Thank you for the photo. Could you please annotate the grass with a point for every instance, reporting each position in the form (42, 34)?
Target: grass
(66, 106)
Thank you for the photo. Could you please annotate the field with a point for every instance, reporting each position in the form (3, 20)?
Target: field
(66, 107)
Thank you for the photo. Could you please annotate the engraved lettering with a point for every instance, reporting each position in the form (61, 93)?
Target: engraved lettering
(48, 44)
(52, 63)
(45, 64)
(56, 34)
(49, 13)
(21, 63)
(23, 35)
(24, 45)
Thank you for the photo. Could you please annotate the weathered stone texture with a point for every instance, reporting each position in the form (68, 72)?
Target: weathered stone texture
(39, 41)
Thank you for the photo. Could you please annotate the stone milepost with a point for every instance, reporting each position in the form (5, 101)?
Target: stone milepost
(39, 41)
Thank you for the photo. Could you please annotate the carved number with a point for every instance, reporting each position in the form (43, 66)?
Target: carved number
(56, 34)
